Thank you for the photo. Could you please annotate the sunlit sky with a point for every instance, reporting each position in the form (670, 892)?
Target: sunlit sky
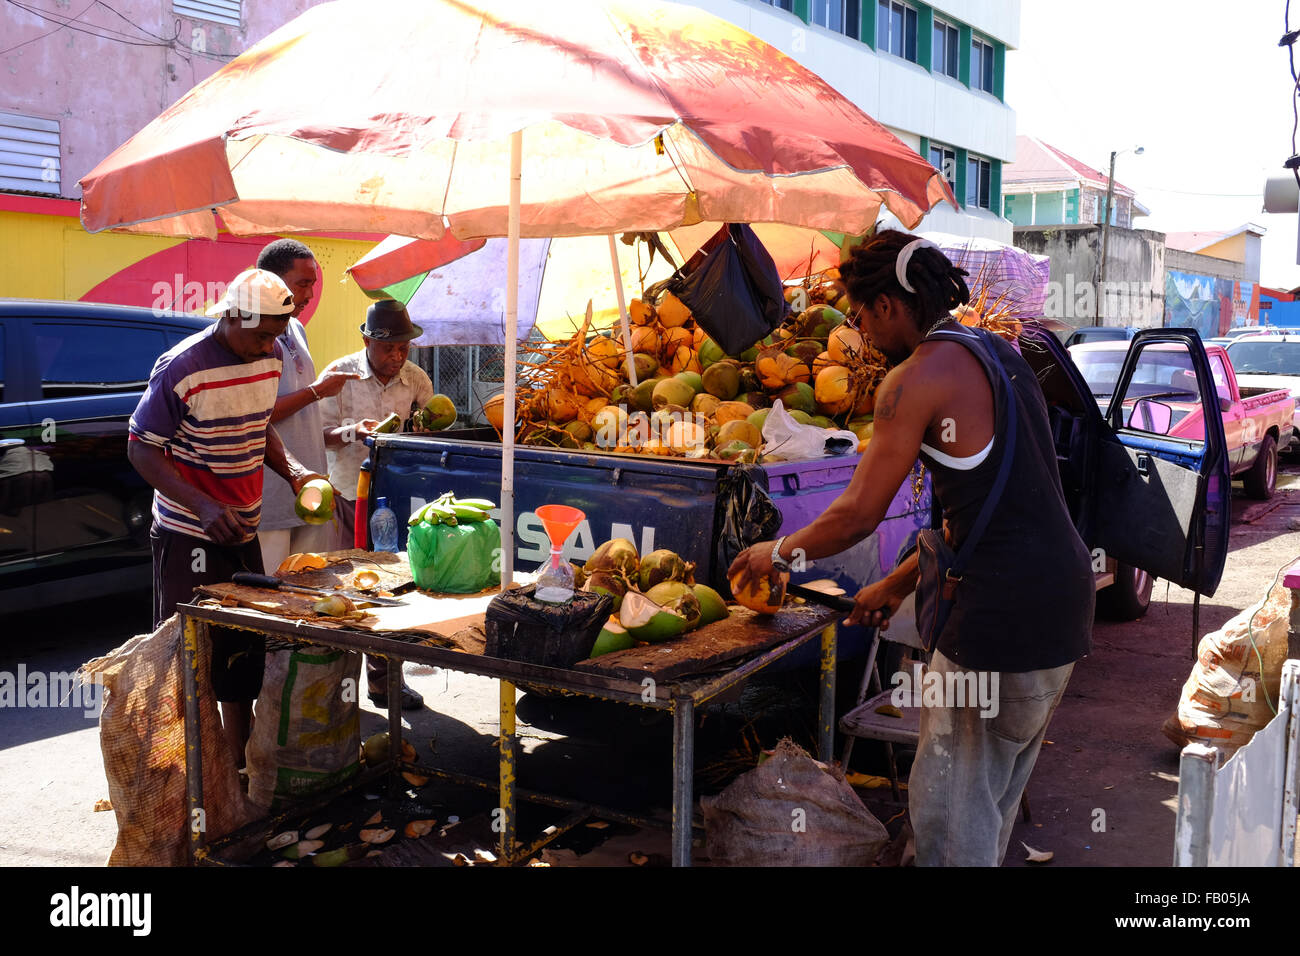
(1201, 85)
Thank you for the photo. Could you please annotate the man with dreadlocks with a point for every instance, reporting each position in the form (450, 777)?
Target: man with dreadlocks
(1023, 611)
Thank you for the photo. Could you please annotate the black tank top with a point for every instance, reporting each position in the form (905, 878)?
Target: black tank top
(1026, 601)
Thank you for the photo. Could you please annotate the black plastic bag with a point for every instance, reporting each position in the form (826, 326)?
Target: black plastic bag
(731, 287)
(519, 627)
(748, 516)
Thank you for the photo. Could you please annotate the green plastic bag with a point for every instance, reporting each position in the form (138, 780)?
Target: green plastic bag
(455, 559)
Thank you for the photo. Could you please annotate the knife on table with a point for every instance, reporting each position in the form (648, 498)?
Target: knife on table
(252, 580)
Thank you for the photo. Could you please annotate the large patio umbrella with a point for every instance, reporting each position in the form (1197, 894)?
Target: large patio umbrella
(416, 119)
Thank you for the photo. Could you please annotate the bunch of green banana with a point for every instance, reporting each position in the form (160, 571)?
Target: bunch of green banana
(449, 510)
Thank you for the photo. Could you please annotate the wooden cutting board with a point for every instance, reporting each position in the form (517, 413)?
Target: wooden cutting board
(743, 634)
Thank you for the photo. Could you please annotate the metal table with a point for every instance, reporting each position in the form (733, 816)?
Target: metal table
(681, 698)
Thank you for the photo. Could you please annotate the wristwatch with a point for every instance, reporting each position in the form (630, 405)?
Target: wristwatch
(778, 562)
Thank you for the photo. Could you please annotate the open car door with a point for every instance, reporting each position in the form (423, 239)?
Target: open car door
(1162, 490)
(1150, 493)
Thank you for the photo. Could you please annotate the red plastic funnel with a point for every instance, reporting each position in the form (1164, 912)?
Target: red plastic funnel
(559, 522)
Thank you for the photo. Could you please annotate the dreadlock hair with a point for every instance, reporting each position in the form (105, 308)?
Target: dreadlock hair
(279, 256)
(870, 271)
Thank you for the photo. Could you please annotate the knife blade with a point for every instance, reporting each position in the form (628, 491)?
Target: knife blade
(836, 601)
(252, 580)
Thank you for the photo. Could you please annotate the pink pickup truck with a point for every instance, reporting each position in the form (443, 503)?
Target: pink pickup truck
(1162, 399)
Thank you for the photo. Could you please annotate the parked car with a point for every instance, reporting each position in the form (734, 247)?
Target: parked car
(1100, 333)
(1149, 504)
(74, 515)
(1268, 362)
(1259, 422)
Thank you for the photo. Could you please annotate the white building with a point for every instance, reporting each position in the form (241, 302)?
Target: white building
(933, 73)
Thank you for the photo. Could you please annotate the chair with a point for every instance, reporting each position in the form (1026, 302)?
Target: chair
(866, 723)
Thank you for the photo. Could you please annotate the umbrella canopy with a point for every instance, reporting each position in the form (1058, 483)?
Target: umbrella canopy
(641, 116)
(1007, 272)
(510, 118)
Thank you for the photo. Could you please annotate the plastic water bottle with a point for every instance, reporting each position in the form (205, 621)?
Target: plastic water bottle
(383, 527)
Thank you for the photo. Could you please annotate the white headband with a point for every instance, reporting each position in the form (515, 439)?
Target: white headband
(905, 257)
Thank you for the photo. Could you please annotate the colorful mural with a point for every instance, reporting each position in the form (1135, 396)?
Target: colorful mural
(1209, 304)
(48, 255)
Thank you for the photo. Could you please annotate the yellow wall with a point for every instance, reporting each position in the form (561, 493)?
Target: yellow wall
(1232, 249)
(52, 257)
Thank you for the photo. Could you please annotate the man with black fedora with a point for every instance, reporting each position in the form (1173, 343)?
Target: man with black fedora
(386, 383)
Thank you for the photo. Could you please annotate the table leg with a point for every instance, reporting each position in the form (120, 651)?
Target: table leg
(191, 630)
(394, 724)
(683, 778)
(826, 704)
(507, 745)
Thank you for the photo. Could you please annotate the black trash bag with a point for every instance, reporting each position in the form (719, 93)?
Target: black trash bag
(521, 628)
(731, 287)
(748, 516)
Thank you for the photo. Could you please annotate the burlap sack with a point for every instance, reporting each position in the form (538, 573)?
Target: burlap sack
(142, 736)
(790, 811)
(1226, 698)
(307, 728)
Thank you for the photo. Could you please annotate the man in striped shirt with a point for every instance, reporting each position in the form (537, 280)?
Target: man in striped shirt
(200, 436)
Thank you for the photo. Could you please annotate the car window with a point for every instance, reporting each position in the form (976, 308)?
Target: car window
(1163, 397)
(1265, 358)
(2, 362)
(1220, 376)
(86, 359)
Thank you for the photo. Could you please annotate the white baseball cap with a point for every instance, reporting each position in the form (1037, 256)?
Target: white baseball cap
(255, 292)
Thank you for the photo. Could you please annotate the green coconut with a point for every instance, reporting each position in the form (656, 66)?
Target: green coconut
(733, 450)
(678, 597)
(613, 637)
(722, 379)
(712, 606)
(759, 419)
(672, 391)
(647, 621)
(643, 395)
(710, 352)
(798, 397)
(646, 366)
(659, 566)
(617, 554)
(802, 417)
(442, 413)
(692, 379)
(607, 582)
(315, 502)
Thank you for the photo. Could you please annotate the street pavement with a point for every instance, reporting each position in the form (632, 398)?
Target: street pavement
(1103, 792)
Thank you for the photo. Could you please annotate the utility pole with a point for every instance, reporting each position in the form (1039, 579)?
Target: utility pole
(1105, 237)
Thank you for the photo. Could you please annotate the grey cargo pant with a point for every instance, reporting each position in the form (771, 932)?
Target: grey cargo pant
(965, 785)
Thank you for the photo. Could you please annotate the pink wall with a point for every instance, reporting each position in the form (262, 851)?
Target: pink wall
(101, 90)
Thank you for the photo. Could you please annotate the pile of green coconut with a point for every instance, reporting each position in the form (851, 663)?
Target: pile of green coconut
(656, 598)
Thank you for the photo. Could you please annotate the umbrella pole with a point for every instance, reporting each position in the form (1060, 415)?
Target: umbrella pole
(512, 335)
(622, 310)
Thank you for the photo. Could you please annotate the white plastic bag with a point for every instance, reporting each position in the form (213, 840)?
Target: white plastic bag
(784, 439)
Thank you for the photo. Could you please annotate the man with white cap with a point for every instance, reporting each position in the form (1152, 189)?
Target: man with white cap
(199, 437)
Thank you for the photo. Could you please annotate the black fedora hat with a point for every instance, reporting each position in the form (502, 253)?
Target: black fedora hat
(387, 321)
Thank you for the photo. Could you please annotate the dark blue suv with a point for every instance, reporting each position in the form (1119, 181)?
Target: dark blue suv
(74, 515)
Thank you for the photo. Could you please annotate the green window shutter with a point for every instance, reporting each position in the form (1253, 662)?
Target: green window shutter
(962, 156)
(925, 148)
(867, 22)
(924, 35)
(801, 10)
(995, 183)
(999, 68)
(1072, 206)
(963, 62)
